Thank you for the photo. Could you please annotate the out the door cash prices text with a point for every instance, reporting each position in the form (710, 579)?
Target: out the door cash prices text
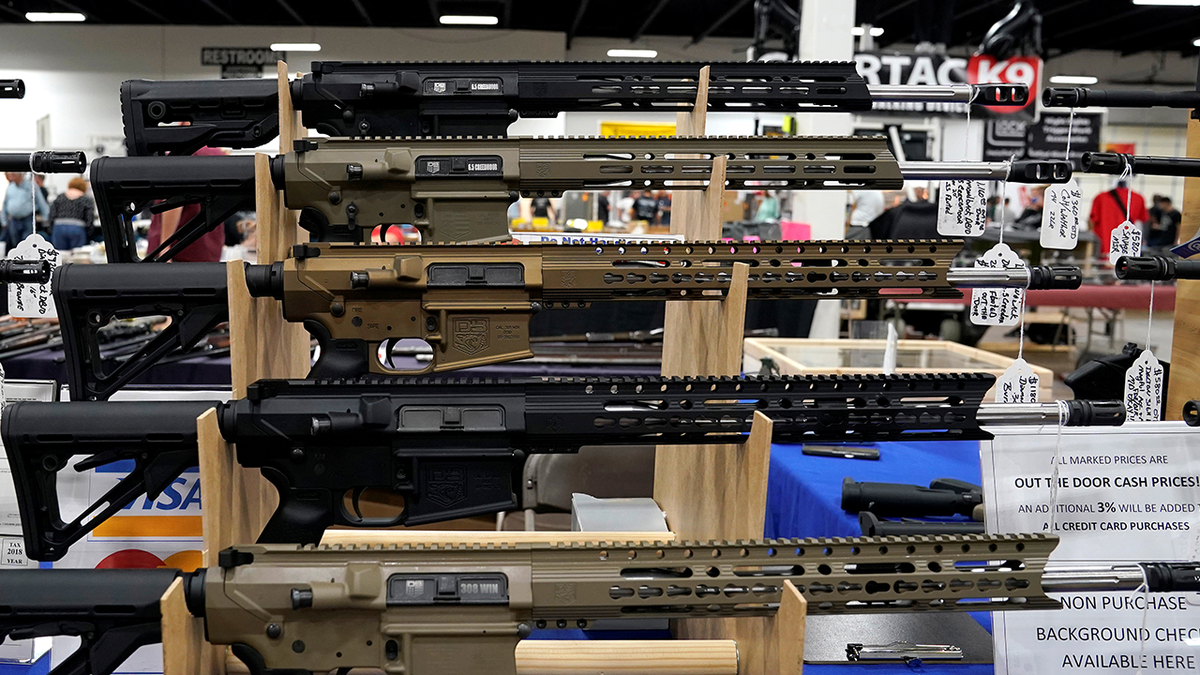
(1109, 512)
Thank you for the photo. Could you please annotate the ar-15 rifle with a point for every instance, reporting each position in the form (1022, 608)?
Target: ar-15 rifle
(454, 448)
(12, 88)
(482, 98)
(473, 302)
(459, 189)
(1083, 97)
(1156, 268)
(447, 608)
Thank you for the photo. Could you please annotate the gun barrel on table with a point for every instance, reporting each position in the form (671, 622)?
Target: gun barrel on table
(463, 608)
(347, 98)
(423, 439)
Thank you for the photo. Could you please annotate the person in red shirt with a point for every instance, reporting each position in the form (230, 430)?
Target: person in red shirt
(1109, 211)
(205, 249)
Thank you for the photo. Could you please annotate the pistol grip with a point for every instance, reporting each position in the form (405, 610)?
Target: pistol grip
(303, 514)
(339, 357)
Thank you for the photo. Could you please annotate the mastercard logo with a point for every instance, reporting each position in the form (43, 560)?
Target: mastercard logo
(133, 558)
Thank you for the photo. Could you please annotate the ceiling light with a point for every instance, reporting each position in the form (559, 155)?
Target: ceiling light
(1169, 3)
(54, 16)
(1073, 79)
(876, 31)
(295, 47)
(468, 20)
(1196, 42)
(632, 53)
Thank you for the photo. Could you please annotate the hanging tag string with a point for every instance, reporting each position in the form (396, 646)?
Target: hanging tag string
(1150, 312)
(1021, 337)
(967, 134)
(1064, 415)
(1070, 123)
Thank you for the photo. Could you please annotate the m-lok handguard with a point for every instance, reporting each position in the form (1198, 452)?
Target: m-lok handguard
(193, 295)
(125, 186)
(459, 189)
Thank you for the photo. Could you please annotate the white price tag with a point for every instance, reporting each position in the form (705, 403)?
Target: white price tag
(889, 351)
(33, 301)
(962, 208)
(1018, 384)
(1125, 240)
(997, 306)
(1060, 216)
(1144, 389)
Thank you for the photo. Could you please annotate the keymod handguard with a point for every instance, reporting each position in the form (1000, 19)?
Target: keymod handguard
(42, 439)
(87, 297)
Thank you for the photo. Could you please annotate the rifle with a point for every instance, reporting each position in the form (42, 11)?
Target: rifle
(289, 610)
(459, 189)
(473, 302)
(345, 98)
(125, 186)
(12, 88)
(43, 162)
(1115, 164)
(1156, 268)
(455, 448)
(1083, 97)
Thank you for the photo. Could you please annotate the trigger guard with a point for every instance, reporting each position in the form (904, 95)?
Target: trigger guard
(384, 368)
(347, 519)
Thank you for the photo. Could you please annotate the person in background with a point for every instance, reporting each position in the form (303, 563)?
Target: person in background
(865, 206)
(1109, 210)
(768, 208)
(39, 220)
(542, 207)
(1031, 217)
(664, 207)
(16, 213)
(645, 207)
(72, 214)
(162, 225)
(602, 207)
(1164, 223)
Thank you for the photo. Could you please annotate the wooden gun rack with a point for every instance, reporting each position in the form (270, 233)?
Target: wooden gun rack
(734, 478)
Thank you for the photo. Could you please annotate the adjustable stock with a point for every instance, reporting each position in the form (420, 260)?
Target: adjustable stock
(88, 297)
(125, 186)
(41, 439)
(236, 113)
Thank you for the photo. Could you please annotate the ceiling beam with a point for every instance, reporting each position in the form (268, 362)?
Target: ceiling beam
(737, 6)
(658, 7)
(362, 11)
(583, 4)
(292, 12)
(147, 10)
(222, 13)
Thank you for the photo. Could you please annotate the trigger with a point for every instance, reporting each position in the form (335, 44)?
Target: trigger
(354, 500)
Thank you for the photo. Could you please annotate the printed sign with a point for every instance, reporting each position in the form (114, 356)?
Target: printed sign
(240, 62)
(1123, 495)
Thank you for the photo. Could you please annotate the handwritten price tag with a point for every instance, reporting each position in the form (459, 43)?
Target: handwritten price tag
(1018, 384)
(1126, 240)
(33, 301)
(997, 306)
(1060, 216)
(1144, 389)
(962, 208)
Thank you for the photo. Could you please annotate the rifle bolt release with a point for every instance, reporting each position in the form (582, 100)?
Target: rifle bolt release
(274, 630)
(337, 309)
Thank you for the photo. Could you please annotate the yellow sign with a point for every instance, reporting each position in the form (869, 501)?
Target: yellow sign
(636, 129)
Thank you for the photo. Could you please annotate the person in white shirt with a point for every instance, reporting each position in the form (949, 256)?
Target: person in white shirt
(867, 205)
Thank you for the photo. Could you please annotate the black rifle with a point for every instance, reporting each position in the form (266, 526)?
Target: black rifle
(43, 162)
(125, 186)
(12, 88)
(483, 98)
(1115, 163)
(1156, 268)
(943, 497)
(453, 448)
